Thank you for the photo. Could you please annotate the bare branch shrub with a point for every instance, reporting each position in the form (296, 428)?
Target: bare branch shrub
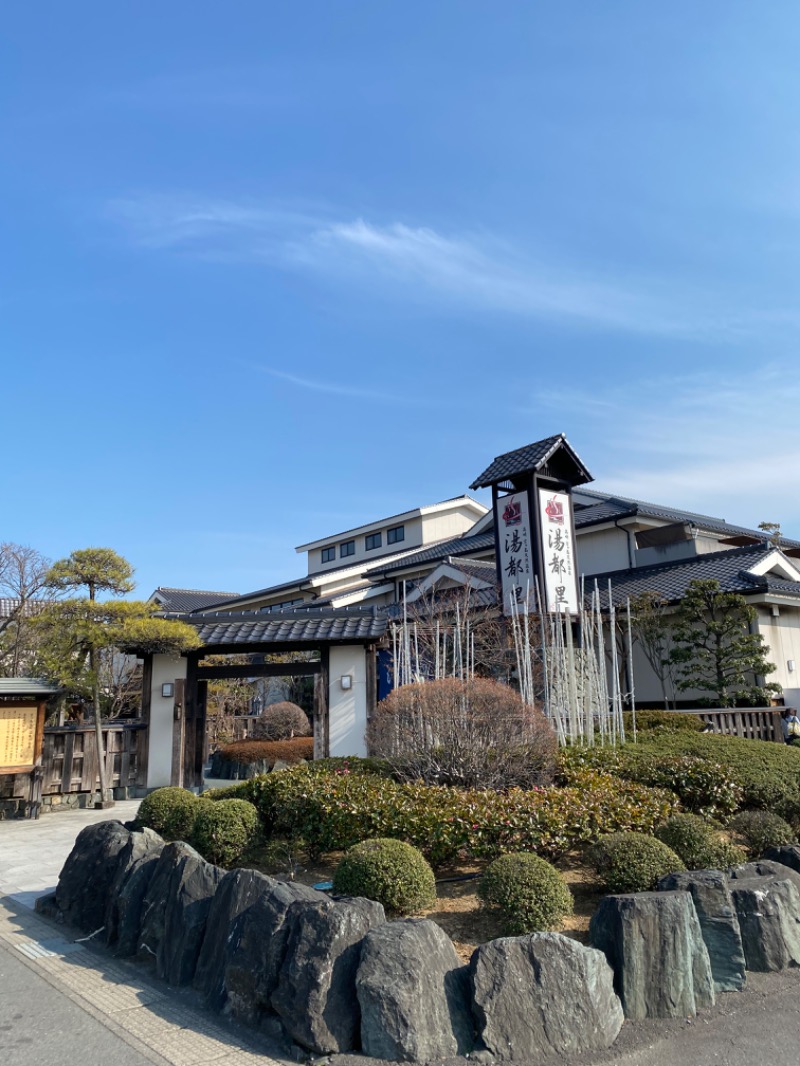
(474, 734)
(282, 721)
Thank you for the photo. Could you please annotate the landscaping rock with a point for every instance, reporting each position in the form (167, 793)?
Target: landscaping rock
(191, 890)
(84, 883)
(541, 995)
(413, 993)
(654, 944)
(768, 909)
(238, 890)
(258, 946)
(720, 927)
(764, 868)
(786, 855)
(123, 910)
(154, 906)
(316, 994)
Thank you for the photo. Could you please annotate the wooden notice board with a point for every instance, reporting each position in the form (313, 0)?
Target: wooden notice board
(21, 735)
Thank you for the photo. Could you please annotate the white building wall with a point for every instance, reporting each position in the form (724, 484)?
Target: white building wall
(347, 708)
(413, 538)
(159, 760)
(782, 634)
(601, 551)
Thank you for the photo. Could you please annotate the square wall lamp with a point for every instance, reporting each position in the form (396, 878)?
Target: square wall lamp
(346, 681)
(168, 689)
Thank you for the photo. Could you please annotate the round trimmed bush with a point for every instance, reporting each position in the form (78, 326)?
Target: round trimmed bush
(282, 721)
(225, 829)
(759, 830)
(633, 862)
(529, 893)
(169, 811)
(698, 843)
(389, 871)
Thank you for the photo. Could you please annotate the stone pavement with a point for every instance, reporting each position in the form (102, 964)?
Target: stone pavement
(61, 999)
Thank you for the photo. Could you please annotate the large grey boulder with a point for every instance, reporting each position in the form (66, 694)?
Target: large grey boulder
(654, 944)
(764, 868)
(413, 993)
(237, 891)
(768, 909)
(720, 927)
(785, 855)
(255, 955)
(124, 909)
(541, 995)
(154, 906)
(84, 884)
(316, 994)
(191, 890)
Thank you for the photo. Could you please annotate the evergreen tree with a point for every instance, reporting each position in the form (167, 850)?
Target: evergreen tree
(77, 633)
(714, 649)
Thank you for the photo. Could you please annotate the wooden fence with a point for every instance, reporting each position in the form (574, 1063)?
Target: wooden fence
(69, 760)
(752, 723)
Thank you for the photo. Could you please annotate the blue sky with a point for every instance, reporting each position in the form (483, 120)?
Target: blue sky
(270, 270)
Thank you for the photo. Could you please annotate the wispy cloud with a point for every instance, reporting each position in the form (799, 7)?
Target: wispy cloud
(333, 388)
(725, 447)
(462, 272)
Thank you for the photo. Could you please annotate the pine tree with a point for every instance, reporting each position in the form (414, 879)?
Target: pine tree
(714, 649)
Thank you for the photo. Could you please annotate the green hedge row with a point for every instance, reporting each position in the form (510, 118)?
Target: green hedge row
(712, 775)
(335, 808)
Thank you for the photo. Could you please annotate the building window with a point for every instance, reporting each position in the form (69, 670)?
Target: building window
(395, 534)
(347, 548)
(372, 541)
(328, 555)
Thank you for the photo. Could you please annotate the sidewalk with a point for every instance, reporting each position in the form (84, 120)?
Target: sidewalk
(62, 1000)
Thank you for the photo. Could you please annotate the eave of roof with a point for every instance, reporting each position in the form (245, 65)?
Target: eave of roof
(457, 546)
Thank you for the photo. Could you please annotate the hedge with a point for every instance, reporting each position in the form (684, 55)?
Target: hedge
(712, 775)
(248, 751)
(333, 809)
(390, 871)
(529, 894)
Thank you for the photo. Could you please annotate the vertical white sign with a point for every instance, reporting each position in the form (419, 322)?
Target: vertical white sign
(512, 519)
(560, 570)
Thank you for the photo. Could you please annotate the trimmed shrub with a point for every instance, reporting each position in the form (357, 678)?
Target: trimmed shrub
(759, 830)
(282, 721)
(473, 734)
(633, 862)
(662, 721)
(703, 786)
(700, 845)
(170, 811)
(225, 830)
(389, 871)
(765, 776)
(336, 809)
(298, 749)
(529, 894)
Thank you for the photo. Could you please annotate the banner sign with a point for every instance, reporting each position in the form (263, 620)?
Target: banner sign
(512, 519)
(560, 571)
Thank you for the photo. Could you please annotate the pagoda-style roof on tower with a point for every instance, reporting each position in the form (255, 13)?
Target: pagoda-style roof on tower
(552, 456)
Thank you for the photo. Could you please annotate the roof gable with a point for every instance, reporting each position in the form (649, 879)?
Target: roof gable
(553, 455)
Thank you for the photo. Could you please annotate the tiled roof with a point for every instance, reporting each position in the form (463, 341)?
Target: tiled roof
(26, 688)
(290, 627)
(608, 508)
(670, 580)
(531, 457)
(185, 600)
(457, 546)
(483, 569)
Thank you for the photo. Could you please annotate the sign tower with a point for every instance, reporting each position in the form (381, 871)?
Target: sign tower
(533, 524)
